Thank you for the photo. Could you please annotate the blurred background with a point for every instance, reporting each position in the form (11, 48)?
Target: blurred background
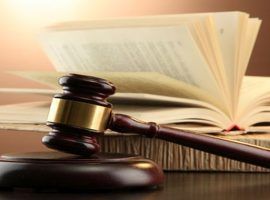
(22, 20)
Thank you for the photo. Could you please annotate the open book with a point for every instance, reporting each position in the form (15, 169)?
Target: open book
(186, 70)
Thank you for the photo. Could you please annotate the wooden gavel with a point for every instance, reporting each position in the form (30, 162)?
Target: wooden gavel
(81, 113)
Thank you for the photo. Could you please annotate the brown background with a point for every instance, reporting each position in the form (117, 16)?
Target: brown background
(21, 21)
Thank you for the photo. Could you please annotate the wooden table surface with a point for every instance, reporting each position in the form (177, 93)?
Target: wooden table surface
(178, 185)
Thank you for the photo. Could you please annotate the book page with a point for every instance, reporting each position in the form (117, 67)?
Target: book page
(183, 111)
(199, 24)
(207, 50)
(133, 82)
(246, 46)
(236, 35)
(169, 50)
(33, 112)
(170, 115)
(254, 87)
(143, 21)
(228, 28)
(254, 100)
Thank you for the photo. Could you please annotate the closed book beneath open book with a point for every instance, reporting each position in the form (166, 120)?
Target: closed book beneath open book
(186, 70)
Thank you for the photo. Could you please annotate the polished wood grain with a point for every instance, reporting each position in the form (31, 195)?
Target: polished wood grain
(56, 170)
(79, 88)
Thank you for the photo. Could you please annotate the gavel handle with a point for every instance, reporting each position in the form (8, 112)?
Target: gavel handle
(227, 148)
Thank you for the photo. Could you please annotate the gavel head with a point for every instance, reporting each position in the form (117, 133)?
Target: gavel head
(78, 114)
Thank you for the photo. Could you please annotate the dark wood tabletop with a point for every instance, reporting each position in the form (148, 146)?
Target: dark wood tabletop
(177, 185)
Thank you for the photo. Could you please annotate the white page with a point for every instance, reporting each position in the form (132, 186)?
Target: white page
(227, 24)
(229, 27)
(169, 50)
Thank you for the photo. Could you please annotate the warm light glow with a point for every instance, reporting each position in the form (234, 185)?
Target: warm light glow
(40, 5)
(39, 11)
(143, 165)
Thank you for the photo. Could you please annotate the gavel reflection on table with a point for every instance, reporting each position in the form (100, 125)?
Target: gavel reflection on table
(80, 114)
